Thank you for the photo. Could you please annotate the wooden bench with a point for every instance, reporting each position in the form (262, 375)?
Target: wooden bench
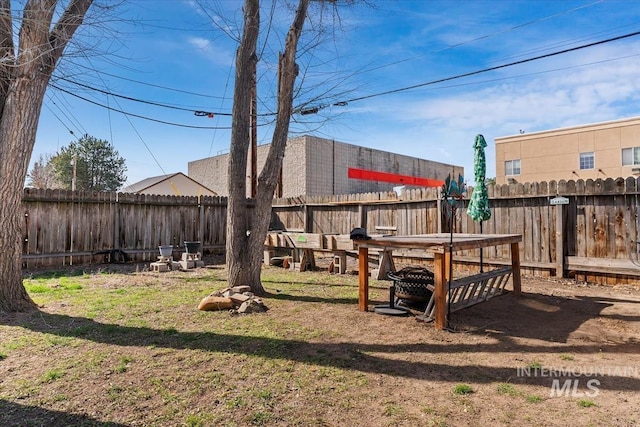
(302, 246)
(470, 290)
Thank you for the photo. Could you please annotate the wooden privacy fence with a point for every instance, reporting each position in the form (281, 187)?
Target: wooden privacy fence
(594, 236)
(65, 227)
(584, 229)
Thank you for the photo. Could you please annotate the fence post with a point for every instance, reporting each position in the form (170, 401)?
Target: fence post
(559, 241)
(116, 222)
(201, 222)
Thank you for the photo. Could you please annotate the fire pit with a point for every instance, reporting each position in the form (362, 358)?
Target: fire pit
(411, 284)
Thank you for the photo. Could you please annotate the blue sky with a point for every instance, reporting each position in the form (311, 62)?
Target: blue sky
(177, 53)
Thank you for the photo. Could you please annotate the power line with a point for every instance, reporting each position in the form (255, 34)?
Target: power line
(143, 101)
(136, 115)
(315, 109)
(486, 36)
(64, 103)
(71, 123)
(60, 120)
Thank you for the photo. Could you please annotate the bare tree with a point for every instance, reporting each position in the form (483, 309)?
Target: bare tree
(42, 174)
(25, 71)
(247, 228)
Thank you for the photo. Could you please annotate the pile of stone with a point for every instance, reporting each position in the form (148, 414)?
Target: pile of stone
(238, 300)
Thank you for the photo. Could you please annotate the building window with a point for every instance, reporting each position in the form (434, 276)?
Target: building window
(587, 160)
(512, 167)
(631, 156)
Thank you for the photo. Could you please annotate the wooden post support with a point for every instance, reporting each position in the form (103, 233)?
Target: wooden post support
(385, 264)
(515, 266)
(440, 294)
(363, 277)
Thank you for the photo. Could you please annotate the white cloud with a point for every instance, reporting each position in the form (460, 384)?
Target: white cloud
(441, 124)
(211, 51)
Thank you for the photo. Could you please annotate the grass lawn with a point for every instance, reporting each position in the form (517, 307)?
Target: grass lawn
(130, 348)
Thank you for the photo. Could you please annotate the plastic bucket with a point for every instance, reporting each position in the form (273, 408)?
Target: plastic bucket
(166, 251)
(192, 247)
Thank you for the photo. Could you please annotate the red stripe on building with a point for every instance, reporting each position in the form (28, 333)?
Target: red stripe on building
(395, 178)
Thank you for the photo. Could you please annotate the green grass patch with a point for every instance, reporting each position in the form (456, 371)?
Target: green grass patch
(535, 365)
(507, 389)
(586, 403)
(534, 398)
(60, 397)
(52, 375)
(123, 365)
(392, 409)
(565, 356)
(462, 389)
(194, 421)
(259, 418)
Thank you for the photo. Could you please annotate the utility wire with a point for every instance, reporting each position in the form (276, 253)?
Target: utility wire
(71, 123)
(487, 36)
(315, 109)
(226, 86)
(135, 115)
(60, 120)
(157, 104)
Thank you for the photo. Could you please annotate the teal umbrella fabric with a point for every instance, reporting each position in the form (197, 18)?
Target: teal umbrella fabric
(479, 204)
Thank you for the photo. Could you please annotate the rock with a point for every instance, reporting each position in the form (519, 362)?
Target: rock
(242, 288)
(213, 303)
(239, 298)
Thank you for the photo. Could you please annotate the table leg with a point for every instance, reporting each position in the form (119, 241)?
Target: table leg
(440, 294)
(515, 267)
(363, 277)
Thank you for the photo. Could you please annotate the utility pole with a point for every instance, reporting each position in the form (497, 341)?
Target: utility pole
(74, 162)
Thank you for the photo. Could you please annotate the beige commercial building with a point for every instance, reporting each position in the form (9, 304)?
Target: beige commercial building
(315, 166)
(599, 150)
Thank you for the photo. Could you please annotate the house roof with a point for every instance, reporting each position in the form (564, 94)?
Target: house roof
(154, 180)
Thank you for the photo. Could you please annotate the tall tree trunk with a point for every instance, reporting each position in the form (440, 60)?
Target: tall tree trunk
(245, 261)
(239, 262)
(23, 81)
(19, 123)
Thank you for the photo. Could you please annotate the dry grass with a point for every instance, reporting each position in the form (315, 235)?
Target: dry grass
(130, 348)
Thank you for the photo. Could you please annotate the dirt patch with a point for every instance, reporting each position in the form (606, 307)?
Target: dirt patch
(314, 359)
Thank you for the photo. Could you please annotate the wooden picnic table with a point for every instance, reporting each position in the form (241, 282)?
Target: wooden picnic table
(443, 245)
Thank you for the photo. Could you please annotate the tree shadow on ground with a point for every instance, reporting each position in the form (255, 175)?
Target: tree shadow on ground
(310, 298)
(411, 360)
(535, 316)
(15, 415)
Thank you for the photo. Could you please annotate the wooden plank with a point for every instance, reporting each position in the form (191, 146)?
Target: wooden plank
(467, 280)
(440, 291)
(604, 265)
(515, 265)
(363, 278)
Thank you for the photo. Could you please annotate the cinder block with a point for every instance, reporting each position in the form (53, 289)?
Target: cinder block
(185, 265)
(159, 267)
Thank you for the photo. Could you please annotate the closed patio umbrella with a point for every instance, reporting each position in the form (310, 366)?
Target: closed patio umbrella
(479, 204)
